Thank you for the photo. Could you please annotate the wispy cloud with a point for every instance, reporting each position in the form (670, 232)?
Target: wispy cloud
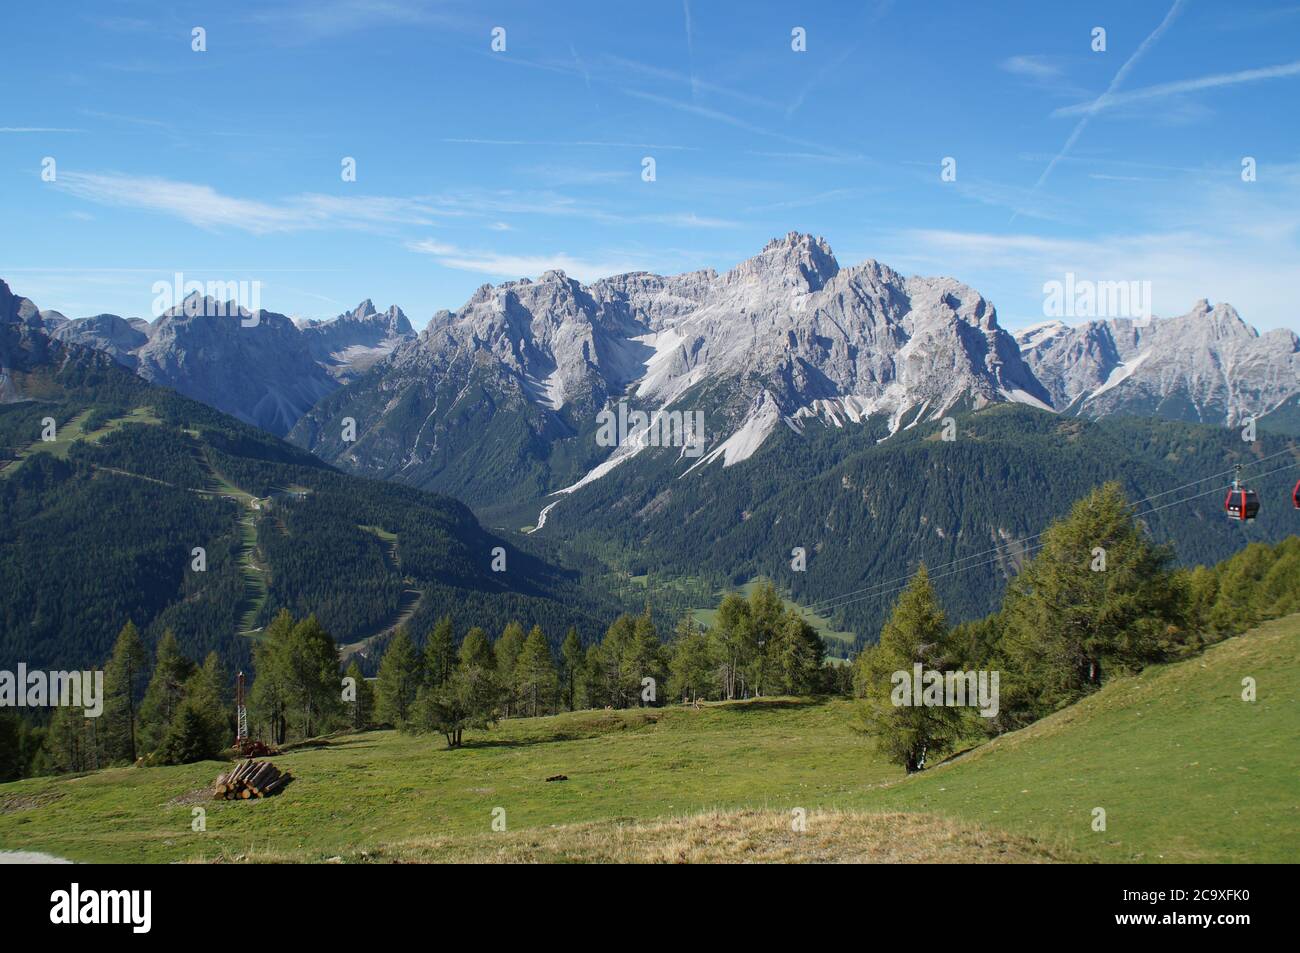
(696, 84)
(321, 19)
(30, 129)
(554, 204)
(859, 29)
(717, 115)
(690, 45)
(1116, 81)
(576, 143)
(129, 120)
(205, 207)
(806, 156)
(505, 265)
(1163, 90)
(818, 198)
(1034, 66)
(1182, 264)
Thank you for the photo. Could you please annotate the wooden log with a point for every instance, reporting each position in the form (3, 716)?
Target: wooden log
(263, 778)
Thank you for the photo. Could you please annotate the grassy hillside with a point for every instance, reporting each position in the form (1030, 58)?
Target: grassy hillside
(1185, 770)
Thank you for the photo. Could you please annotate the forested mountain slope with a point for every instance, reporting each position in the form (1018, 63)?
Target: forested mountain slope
(101, 524)
(867, 513)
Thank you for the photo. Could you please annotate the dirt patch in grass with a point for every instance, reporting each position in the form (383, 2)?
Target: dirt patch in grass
(197, 796)
(13, 803)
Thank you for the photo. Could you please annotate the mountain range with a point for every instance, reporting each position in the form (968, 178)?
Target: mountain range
(1207, 366)
(262, 368)
(868, 418)
(497, 400)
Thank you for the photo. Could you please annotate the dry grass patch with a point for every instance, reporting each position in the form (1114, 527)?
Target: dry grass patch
(734, 837)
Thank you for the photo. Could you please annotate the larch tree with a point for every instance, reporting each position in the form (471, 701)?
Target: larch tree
(1098, 595)
(571, 660)
(440, 652)
(125, 678)
(399, 680)
(535, 677)
(908, 731)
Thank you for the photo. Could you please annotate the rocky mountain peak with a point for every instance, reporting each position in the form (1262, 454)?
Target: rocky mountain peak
(797, 258)
(364, 310)
(15, 309)
(1207, 365)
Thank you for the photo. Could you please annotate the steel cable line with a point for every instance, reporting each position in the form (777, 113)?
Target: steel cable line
(907, 579)
(830, 601)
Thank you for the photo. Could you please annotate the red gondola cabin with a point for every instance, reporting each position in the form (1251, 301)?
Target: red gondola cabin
(1241, 504)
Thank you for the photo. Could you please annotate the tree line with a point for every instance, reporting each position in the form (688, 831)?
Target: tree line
(164, 710)
(1099, 599)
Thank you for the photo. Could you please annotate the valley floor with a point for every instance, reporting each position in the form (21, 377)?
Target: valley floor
(1185, 770)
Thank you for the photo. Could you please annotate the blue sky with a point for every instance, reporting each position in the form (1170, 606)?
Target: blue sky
(477, 166)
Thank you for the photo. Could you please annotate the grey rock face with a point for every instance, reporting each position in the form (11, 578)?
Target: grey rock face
(350, 344)
(782, 337)
(267, 373)
(118, 337)
(1207, 365)
(262, 373)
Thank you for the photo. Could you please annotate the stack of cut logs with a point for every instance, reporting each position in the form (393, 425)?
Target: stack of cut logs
(249, 780)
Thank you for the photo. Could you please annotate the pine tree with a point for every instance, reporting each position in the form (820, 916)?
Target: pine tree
(1099, 595)
(692, 666)
(734, 643)
(476, 650)
(189, 737)
(162, 699)
(612, 684)
(592, 691)
(399, 680)
(271, 688)
(440, 653)
(761, 672)
(1237, 607)
(798, 657)
(535, 678)
(470, 698)
(207, 691)
(908, 732)
(125, 677)
(11, 760)
(507, 650)
(315, 696)
(641, 659)
(571, 659)
(361, 709)
(68, 742)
